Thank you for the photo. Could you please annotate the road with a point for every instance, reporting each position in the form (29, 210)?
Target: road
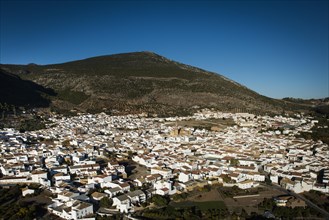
(308, 202)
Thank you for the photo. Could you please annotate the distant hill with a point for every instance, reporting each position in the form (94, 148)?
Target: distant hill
(318, 105)
(144, 82)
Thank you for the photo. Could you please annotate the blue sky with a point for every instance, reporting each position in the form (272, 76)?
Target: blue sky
(277, 48)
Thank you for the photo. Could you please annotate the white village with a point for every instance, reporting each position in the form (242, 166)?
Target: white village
(64, 158)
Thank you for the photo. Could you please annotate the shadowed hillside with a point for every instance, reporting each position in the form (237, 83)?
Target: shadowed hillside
(18, 92)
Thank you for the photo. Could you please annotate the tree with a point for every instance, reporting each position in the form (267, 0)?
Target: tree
(160, 200)
(226, 178)
(23, 212)
(234, 162)
(180, 196)
(66, 143)
(105, 202)
(130, 154)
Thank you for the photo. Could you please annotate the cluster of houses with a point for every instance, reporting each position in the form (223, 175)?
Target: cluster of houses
(64, 158)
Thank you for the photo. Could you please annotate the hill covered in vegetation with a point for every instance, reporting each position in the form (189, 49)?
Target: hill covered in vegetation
(143, 82)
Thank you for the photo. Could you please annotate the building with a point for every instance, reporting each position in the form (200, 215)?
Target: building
(27, 191)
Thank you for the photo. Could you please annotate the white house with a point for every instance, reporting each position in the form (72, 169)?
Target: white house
(36, 175)
(164, 187)
(166, 173)
(184, 177)
(61, 176)
(136, 196)
(45, 182)
(162, 191)
(66, 195)
(112, 192)
(72, 209)
(238, 177)
(27, 191)
(274, 179)
(101, 179)
(122, 203)
(246, 184)
(124, 186)
(62, 169)
(256, 176)
(81, 209)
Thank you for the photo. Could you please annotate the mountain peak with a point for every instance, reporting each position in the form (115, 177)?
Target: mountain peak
(147, 52)
(140, 55)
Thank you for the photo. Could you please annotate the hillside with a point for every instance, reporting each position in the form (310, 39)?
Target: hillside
(318, 105)
(18, 92)
(143, 82)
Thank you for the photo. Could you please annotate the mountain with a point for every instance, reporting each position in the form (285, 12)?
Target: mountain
(143, 82)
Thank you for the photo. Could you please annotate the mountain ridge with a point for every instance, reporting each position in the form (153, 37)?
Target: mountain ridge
(143, 82)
